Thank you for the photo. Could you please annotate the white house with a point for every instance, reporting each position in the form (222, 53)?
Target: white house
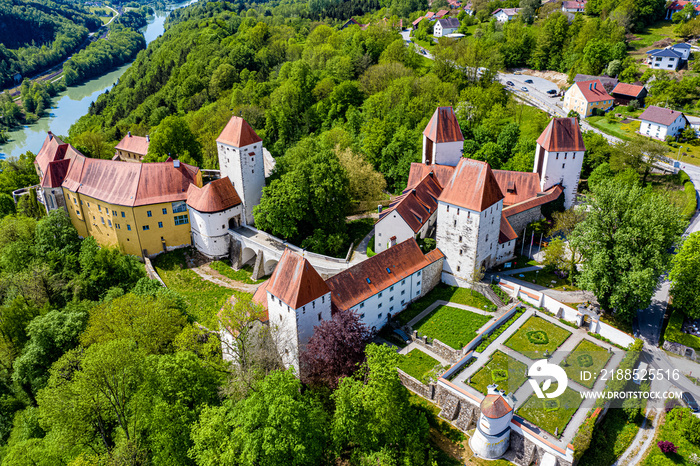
(573, 6)
(664, 59)
(445, 26)
(559, 157)
(412, 214)
(241, 160)
(683, 49)
(505, 14)
(384, 285)
(660, 122)
(213, 210)
(469, 9)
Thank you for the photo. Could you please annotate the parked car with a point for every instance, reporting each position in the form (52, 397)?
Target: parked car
(524, 88)
(552, 91)
(510, 83)
(690, 401)
(529, 81)
(516, 73)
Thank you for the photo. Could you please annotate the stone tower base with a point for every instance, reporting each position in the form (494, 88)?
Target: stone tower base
(490, 446)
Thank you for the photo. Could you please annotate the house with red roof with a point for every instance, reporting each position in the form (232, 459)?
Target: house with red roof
(586, 96)
(678, 5)
(625, 93)
(132, 148)
(573, 6)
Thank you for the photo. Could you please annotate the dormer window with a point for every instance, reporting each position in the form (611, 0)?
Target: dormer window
(388, 270)
(368, 281)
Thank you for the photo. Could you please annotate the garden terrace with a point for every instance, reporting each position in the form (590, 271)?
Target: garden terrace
(419, 365)
(508, 373)
(452, 326)
(587, 356)
(551, 414)
(537, 338)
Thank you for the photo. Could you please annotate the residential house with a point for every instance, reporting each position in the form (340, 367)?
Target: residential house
(573, 6)
(132, 148)
(469, 9)
(683, 49)
(658, 122)
(677, 6)
(585, 96)
(417, 22)
(445, 26)
(625, 93)
(454, 3)
(440, 14)
(664, 59)
(694, 123)
(503, 15)
(608, 82)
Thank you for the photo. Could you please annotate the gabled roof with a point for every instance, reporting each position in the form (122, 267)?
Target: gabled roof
(562, 135)
(443, 126)
(418, 20)
(134, 144)
(495, 406)
(295, 281)
(472, 186)
(352, 286)
(682, 45)
(441, 13)
(507, 11)
(550, 195)
(506, 233)
(238, 133)
(429, 15)
(417, 204)
(260, 297)
(573, 4)
(55, 173)
(631, 90)
(517, 186)
(213, 197)
(53, 149)
(669, 53)
(604, 79)
(443, 173)
(661, 116)
(448, 22)
(678, 5)
(593, 90)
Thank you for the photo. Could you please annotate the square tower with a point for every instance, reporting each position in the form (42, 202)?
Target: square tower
(298, 300)
(469, 221)
(443, 143)
(240, 152)
(559, 157)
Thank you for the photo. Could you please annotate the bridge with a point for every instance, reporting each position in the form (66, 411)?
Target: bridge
(249, 244)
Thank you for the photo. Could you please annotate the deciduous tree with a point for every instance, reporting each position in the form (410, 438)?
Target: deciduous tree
(685, 270)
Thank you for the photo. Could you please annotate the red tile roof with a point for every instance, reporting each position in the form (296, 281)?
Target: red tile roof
(213, 197)
(260, 297)
(441, 13)
(420, 18)
(517, 186)
(238, 133)
(662, 116)
(443, 126)
(417, 204)
(134, 144)
(472, 186)
(53, 149)
(550, 195)
(429, 15)
(593, 90)
(443, 173)
(562, 135)
(350, 287)
(295, 281)
(495, 406)
(55, 174)
(130, 184)
(506, 233)
(631, 90)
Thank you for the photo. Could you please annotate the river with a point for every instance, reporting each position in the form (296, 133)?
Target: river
(74, 102)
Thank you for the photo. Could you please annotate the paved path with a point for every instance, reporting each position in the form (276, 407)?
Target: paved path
(360, 252)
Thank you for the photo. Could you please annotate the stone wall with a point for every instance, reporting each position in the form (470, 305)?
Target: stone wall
(431, 276)
(520, 220)
(436, 346)
(682, 350)
(416, 386)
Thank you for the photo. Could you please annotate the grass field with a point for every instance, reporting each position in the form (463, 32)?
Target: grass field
(624, 131)
(551, 414)
(654, 33)
(536, 337)
(452, 326)
(443, 292)
(370, 248)
(671, 431)
(508, 373)
(545, 279)
(204, 298)
(610, 439)
(587, 356)
(242, 275)
(418, 365)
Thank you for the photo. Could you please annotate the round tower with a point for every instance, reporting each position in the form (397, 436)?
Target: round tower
(492, 436)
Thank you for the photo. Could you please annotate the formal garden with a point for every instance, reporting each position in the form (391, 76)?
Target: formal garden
(505, 371)
(551, 414)
(453, 294)
(537, 338)
(586, 357)
(452, 326)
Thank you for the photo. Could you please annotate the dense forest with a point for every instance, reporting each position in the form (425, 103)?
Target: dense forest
(38, 34)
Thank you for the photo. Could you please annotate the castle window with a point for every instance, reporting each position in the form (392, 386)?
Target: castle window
(77, 211)
(280, 317)
(181, 219)
(75, 201)
(487, 237)
(313, 304)
(323, 299)
(380, 305)
(114, 212)
(165, 211)
(557, 155)
(418, 284)
(148, 213)
(403, 292)
(146, 228)
(128, 227)
(457, 210)
(468, 214)
(455, 223)
(460, 239)
(123, 214)
(380, 295)
(392, 288)
(103, 220)
(573, 156)
(563, 165)
(460, 252)
(362, 305)
(565, 154)
(99, 207)
(448, 208)
(391, 299)
(458, 268)
(109, 222)
(418, 274)
(319, 316)
(303, 309)
(179, 206)
(160, 224)
(362, 316)
(403, 282)
(379, 316)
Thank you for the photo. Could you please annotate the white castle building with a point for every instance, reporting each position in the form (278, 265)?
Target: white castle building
(491, 438)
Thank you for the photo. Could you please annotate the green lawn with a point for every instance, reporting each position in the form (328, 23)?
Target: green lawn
(358, 229)
(370, 248)
(419, 365)
(204, 298)
(505, 371)
(444, 292)
(654, 33)
(452, 326)
(242, 275)
(545, 279)
(551, 414)
(587, 356)
(624, 131)
(610, 438)
(674, 334)
(485, 342)
(536, 337)
(672, 431)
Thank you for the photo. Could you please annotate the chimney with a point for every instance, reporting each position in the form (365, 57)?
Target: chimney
(413, 191)
(590, 86)
(176, 163)
(379, 209)
(148, 138)
(594, 84)
(128, 133)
